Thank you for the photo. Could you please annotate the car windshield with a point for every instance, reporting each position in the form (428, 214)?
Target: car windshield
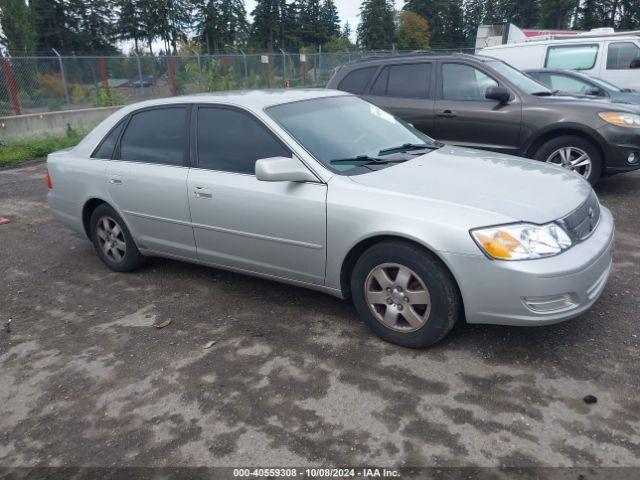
(350, 132)
(519, 79)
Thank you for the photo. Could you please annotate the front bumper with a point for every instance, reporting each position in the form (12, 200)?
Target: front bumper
(621, 142)
(536, 292)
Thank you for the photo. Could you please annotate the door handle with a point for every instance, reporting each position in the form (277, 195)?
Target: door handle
(115, 180)
(202, 192)
(447, 114)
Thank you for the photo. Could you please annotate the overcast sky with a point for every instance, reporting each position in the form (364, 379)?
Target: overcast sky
(349, 10)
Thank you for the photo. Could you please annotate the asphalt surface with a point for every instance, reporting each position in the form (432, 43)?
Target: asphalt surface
(294, 377)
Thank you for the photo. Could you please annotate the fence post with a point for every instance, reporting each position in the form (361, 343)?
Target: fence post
(64, 78)
(265, 63)
(199, 71)
(139, 72)
(303, 67)
(11, 84)
(284, 68)
(172, 77)
(105, 78)
(246, 70)
(319, 61)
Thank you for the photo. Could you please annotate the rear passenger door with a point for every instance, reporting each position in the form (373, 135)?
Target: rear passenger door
(463, 116)
(272, 228)
(405, 90)
(147, 180)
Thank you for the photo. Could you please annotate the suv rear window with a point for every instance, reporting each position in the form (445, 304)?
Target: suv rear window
(356, 81)
(572, 57)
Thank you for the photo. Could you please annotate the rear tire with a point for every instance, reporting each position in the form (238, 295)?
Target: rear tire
(113, 241)
(567, 151)
(404, 294)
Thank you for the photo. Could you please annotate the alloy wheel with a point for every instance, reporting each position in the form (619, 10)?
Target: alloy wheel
(111, 239)
(397, 297)
(572, 158)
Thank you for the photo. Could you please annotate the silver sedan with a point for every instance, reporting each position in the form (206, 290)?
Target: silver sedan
(323, 190)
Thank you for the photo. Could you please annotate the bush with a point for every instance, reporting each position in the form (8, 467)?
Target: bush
(14, 152)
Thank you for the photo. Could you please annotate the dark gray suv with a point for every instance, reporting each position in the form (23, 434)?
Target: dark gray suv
(485, 103)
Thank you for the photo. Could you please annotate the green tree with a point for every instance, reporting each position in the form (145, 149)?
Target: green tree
(91, 25)
(129, 23)
(18, 34)
(50, 23)
(556, 14)
(329, 19)
(376, 29)
(413, 32)
(346, 31)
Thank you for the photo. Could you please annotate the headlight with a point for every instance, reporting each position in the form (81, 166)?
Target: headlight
(621, 119)
(522, 241)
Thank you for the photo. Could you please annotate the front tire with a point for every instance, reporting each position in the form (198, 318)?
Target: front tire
(113, 241)
(573, 153)
(404, 294)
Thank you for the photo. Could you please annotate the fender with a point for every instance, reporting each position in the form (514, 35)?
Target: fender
(564, 128)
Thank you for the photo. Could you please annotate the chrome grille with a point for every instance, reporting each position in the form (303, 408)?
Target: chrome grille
(583, 221)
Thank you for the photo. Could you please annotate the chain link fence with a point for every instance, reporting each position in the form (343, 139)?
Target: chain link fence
(42, 84)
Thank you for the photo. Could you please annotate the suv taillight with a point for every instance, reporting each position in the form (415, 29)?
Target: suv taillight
(48, 180)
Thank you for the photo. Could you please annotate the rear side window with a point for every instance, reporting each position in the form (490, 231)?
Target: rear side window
(105, 150)
(155, 136)
(380, 85)
(229, 140)
(409, 81)
(356, 81)
(621, 54)
(572, 57)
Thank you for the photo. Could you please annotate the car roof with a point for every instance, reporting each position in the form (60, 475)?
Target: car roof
(426, 55)
(249, 99)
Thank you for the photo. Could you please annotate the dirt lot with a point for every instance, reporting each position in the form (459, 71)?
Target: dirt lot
(294, 378)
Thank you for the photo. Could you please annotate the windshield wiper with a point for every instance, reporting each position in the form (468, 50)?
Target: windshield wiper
(405, 147)
(364, 160)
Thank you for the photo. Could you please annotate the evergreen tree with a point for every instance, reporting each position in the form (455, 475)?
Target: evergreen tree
(129, 23)
(50, 22)
(269, 18)
(330, 21)
(91, 26)
(376, 29)
(346, 31)
(556, 14)
(18, 34)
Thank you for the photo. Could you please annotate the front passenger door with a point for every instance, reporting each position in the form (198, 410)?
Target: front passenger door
(272, 228)
(463, 116)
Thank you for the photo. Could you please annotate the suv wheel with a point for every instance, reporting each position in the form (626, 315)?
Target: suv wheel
(573, 153)
(112, 240)
(404, 294)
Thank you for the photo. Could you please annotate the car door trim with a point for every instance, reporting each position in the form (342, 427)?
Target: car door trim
(241, 233)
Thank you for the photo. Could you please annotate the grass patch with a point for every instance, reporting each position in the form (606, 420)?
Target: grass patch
(14, 152)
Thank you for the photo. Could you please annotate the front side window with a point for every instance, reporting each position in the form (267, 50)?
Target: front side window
(229, 140)
(344, 127)
(621, 54)
(155, 136)
(572, 57)
(464, 83)
(356, 81)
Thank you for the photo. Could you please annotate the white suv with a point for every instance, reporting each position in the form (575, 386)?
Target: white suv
(615, 57)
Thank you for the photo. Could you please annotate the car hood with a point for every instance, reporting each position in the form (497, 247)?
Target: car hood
(522, 189)
(593, 103)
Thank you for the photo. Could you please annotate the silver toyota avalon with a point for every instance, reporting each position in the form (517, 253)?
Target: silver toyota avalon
(321, 189)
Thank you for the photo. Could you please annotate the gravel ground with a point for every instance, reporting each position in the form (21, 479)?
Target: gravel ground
(294, 377)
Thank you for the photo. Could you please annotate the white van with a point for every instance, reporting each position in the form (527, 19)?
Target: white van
(614, 57)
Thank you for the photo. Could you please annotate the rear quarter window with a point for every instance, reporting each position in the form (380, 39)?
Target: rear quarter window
(357, 80)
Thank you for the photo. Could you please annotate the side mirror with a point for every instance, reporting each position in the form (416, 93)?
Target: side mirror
(594, 91)
(501, 94)
(283, 169)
